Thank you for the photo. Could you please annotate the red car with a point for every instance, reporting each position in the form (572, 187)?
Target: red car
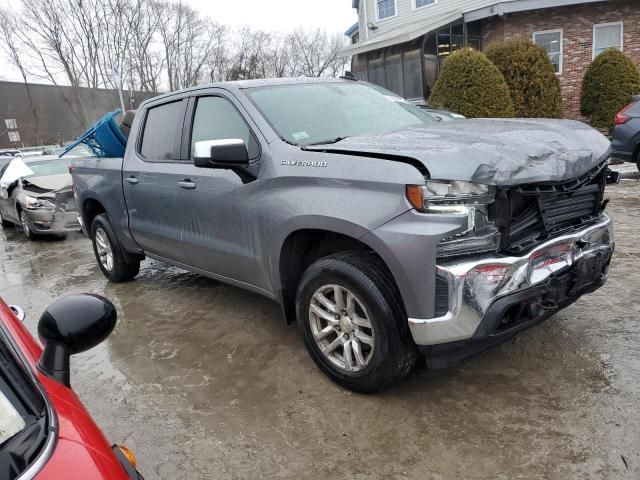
(45, 431)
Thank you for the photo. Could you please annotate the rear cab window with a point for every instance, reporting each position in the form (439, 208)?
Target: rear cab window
(163, 124)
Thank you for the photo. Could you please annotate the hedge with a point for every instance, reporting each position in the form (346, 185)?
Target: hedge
(471, 85)
(608, 85)
(529, 73)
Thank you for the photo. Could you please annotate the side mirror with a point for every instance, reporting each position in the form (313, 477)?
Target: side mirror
(225, 153)
(72, 325)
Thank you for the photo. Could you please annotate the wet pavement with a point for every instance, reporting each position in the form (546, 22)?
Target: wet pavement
(205, 381)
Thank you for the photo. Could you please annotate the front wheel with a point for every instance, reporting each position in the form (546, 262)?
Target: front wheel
(353, 323)
(112, 259)
(26, 229)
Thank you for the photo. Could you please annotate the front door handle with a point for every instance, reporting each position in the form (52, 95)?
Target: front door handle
(187, 185)
(131, 180)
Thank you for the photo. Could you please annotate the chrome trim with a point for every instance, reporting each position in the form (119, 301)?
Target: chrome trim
(52, 427)
(474, 284)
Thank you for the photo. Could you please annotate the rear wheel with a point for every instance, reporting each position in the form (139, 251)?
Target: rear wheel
(114, 262)
(353, 324)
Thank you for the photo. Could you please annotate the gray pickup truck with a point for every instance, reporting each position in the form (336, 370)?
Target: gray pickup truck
(382, 233)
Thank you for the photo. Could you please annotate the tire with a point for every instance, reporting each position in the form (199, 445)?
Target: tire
(26, 229)
(386, 352)
(113, 261)
(4, 223)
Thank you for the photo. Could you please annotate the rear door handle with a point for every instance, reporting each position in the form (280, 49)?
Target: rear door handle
(187, 185)
(131, 180)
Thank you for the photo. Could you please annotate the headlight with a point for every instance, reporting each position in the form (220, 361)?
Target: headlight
(33, 203)
(461, 199)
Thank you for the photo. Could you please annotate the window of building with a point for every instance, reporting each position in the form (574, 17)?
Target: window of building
(606, 35)
(216, 118)
(424, 3)
(386, 9)
(160, 130)
(551, 41)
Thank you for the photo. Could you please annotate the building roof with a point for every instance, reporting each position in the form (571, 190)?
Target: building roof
(352, 29)
(446, 12)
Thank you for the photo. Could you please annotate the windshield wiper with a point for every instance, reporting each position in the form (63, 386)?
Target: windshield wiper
(326, 142)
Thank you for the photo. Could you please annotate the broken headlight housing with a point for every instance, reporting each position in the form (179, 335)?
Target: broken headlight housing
(33, 203)
(468, 201)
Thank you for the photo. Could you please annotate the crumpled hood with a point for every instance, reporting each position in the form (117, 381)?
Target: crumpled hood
(49, 183)
(493, 152)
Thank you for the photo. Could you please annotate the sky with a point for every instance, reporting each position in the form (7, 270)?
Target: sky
(278, 15)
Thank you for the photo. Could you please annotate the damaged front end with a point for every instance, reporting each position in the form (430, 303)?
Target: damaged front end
(551, 243)
(49, 208)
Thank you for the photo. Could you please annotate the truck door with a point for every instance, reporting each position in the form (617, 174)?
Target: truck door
(148, 177)
(218, 217)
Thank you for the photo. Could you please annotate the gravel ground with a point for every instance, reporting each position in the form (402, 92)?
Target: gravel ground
(204, 380)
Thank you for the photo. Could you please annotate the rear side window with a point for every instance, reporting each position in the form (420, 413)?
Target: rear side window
(216, 118)
(160, 129)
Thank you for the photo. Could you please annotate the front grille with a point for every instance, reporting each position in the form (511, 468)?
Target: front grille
(442, 297)
(558, 210)
(530, 214)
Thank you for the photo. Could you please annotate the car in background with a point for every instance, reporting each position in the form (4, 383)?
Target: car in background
(36, 194)
(45, 431)
(442, 115)
(8, 153)
(625, 134)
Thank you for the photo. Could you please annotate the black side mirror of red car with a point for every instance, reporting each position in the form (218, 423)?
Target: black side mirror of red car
(71, 325)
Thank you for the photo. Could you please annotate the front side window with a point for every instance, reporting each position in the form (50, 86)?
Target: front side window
(386, 9)
(303, 114)
(216, 118)
(424, 3)
(605, 36)
(551, 41)
(160, 130)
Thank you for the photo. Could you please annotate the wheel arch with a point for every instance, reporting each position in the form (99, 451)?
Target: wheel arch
(303, 246)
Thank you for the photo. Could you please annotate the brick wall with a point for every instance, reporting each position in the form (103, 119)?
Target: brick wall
(577, 24)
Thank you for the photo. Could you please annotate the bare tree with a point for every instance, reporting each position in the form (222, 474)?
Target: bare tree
(145, 60)
(189, 41)
(317, 53)
(12, 47)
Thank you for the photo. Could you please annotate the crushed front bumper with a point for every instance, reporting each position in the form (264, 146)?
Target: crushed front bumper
(491, 296)
(52, 221)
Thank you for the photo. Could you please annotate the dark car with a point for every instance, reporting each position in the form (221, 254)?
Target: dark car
(625, 135)
(36, 194)
(45, 431)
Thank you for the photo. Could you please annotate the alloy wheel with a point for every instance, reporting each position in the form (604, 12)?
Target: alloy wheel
(104, 250)
(341, 327)
(25, 225)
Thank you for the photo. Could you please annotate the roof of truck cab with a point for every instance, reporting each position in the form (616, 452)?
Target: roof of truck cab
(245, 84)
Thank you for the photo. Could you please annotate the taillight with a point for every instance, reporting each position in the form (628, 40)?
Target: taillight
(622, 117)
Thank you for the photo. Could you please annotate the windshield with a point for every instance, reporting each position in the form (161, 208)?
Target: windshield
(304, 114)
(49, 167)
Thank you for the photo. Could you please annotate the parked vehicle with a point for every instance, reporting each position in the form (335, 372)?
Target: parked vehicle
(45, 431)
(36, 194)
(442, 115)
(382, 232)
(625, 135)
(10, 153)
